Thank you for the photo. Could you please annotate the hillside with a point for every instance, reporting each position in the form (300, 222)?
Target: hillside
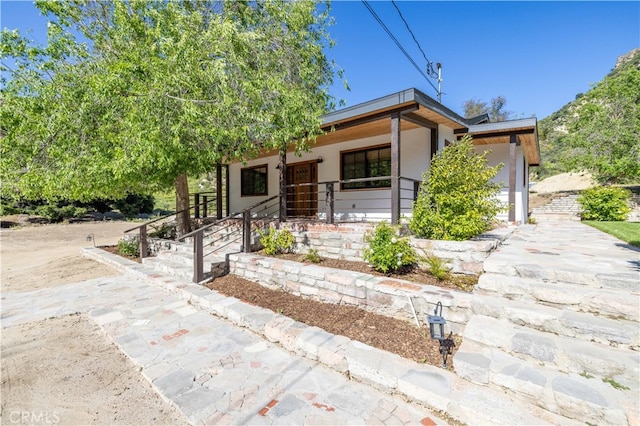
(553, 130)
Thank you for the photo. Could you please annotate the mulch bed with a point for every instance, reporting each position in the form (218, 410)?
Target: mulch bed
(114, 250)
(403, 338)
(400, 337)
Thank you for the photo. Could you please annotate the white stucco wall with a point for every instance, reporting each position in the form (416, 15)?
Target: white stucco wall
(376, 204)
(500, 154)
(369, 204)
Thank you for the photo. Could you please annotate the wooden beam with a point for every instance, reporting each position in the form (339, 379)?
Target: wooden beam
(419, 120)
(395, 168)
(513, 142)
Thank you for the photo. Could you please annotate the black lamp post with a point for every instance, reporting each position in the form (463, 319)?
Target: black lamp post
(436, 330)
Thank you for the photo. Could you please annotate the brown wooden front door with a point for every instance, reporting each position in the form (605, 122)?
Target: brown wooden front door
(302, 193)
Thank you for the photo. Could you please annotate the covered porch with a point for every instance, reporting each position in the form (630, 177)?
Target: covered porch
(390, 141)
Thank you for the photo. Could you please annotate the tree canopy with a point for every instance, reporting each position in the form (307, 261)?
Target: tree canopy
(495, 109)
(604, 136)
(133, 96)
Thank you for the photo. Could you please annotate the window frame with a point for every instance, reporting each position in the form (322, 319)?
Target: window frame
(364, 150)
(266, 181)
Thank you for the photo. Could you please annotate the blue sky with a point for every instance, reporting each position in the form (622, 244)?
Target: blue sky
(538, 55)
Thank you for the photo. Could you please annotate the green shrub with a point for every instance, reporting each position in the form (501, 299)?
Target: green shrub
(58, 214)
(50, 212)
(134, 204)
(277, 242)
(387, 251)
(457, 199)
(313, 256)
(129, 247)
(605, 204)
(167, 231)
(437, 267)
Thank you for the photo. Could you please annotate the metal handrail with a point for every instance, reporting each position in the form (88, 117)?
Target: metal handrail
(198, 237)
(232, 215)
(168, 215)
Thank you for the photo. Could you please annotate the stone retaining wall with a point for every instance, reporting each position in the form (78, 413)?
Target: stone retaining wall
(382, 295)
(346, 241)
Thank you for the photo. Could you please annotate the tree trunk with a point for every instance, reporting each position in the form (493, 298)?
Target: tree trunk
(182, 203)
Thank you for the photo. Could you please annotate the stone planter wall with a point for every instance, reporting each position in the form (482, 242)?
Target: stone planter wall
(346, 241)
(382, 295)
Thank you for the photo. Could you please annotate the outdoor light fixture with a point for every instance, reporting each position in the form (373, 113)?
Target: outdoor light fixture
(92, 237)
(436, 330)
(436, 323)
(320, 160)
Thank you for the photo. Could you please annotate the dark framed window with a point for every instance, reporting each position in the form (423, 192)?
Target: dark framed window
(253, 180)
(366, 163)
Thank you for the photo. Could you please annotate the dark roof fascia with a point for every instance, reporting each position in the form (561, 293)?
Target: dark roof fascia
(482, 118)
(435, 106)
(390, 102)
(504, 126)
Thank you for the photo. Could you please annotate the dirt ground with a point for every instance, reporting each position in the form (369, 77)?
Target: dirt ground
(64, 370)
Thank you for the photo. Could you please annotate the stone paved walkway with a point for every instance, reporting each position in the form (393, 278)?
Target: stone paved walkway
(570, 252)
(213, 371)
(217, 371)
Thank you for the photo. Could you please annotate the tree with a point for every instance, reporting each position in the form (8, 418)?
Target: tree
(133, 96)
(604, 136)
(475, 107)
(457, 198)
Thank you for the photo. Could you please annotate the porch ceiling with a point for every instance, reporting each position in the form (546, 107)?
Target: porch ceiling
(495, 133)
(379, 124)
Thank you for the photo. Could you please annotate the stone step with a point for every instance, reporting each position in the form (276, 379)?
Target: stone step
(561, 274)
(180, 264)
(174, 268)
(582, 396)
(556, 320)
(559, 353)
(599, 301)
(561, 208)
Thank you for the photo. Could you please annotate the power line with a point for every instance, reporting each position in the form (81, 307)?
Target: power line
(410, 32)
(395, 40)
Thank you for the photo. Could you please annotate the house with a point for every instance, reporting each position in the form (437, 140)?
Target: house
(368, 165)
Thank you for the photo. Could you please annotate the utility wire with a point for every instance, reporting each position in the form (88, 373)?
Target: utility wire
(395, 40)
(409, 29)
(430, 70)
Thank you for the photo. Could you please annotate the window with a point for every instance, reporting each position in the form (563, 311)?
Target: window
(253, 180)
(366, 163)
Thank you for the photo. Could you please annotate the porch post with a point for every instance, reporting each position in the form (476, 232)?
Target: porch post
(218, 191)
(196, 202)
(227, 195)
(513, 140)
(395, 168)
(434, 142)
(283, 184)
(329, 197)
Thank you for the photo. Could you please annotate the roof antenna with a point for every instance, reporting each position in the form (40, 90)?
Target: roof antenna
(431, 72)
(439, 66)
